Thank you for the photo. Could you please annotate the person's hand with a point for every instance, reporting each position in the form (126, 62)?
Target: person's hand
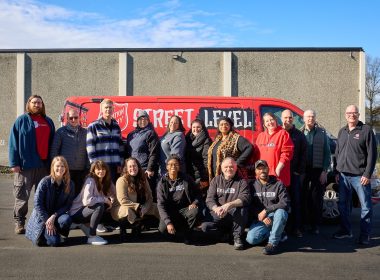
(170, 228)
(364, 181)
(262, 215)
(192, 206)
(50, 228)
(279, 168)
(226, 207)
(149, 174)
(323, 177)
(219, 211)
(267, 221)
(16, 169)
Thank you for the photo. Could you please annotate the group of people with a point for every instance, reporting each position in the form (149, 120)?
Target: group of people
(186, 181)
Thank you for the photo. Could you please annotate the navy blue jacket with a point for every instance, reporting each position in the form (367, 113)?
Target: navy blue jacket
(44, 207)
(143, 144)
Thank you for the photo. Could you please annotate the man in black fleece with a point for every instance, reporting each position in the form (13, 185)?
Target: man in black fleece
(227, 198)
(270, 205)
(356, 155)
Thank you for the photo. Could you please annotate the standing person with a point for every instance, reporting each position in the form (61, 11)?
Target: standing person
(96, 197)
(134, 198)
(54, 196)
(173, 143)
(70, 142)
(143, 144)
(104, 140)
(270, 206)
(228, 198)
(177, 201)
(356, 155)
(29, 142)
(318, 161)
(228, 143)
(276, 148)
(197, 144)
(297, 169)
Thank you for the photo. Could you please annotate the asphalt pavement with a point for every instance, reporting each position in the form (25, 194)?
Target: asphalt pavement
(151, 257)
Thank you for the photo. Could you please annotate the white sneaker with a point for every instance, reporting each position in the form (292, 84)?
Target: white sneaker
(101, 228)
(96, 240)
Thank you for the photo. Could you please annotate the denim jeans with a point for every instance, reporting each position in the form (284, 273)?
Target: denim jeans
(258, 231)
(347, 183)
(62, 224)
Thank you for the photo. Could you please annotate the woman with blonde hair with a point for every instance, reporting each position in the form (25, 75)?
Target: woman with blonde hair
(96, 197)
(54, 196)
(134, 198)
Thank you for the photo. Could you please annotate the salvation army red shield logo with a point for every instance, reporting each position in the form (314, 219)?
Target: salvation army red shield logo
(120, 114)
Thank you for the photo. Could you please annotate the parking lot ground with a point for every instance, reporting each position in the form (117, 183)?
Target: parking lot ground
(151, 257)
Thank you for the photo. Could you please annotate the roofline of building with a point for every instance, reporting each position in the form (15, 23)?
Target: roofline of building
(72, 50)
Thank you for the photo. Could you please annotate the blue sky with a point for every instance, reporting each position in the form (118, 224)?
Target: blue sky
(197, 23)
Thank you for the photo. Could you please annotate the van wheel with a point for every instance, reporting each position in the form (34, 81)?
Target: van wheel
(330, 212)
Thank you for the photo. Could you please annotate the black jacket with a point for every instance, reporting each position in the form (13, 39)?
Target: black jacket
(196, 155)
(165, 205)
(298, 162)
(222, 191)
(270, 197)
(356, 150)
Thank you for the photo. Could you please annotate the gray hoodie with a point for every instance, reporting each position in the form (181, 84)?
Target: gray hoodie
(172, 143)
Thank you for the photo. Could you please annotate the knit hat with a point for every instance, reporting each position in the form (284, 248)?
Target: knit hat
(142, 113)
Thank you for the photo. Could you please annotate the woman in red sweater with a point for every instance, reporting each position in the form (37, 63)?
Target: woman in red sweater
(276, 147)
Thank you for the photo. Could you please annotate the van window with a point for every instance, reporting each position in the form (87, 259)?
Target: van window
(298, 120)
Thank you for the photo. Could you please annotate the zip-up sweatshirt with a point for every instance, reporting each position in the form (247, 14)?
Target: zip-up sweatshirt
(356, 150)
(271, 196)
(222, 191)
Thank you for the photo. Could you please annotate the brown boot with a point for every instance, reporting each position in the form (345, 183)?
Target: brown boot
(19, 229)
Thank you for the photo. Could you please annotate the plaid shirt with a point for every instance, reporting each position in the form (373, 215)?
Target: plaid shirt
(104, 142)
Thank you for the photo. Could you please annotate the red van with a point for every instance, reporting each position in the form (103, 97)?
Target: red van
(246, 112)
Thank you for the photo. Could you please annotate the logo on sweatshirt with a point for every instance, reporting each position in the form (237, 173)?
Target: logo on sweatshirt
(228, 190)
(356, 136)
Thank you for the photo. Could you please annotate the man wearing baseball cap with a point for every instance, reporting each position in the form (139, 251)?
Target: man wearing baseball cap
(270, 205)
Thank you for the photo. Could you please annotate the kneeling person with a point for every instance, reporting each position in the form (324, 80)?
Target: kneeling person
(270, 204)
(227, 198)
(177, 201)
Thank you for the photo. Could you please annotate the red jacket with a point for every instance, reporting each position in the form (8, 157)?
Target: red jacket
(276, 148)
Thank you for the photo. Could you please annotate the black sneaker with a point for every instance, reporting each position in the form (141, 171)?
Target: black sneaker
(238, 243)
(364, 240)
(340, 234)
(270, 249)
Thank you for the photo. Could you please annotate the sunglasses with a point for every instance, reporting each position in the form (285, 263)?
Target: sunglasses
(73, 118)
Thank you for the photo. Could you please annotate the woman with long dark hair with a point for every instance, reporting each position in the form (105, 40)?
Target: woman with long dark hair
(198, 142)
(96, 196)
(134, 198)
(54, 196)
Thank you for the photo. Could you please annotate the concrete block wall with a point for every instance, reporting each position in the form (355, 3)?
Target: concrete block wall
(326, 80)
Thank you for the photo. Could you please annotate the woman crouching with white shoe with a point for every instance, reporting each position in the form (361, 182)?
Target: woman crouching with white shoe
(96, 196)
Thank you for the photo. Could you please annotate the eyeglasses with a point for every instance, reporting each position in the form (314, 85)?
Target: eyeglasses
(352, 113)
(73, 118)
